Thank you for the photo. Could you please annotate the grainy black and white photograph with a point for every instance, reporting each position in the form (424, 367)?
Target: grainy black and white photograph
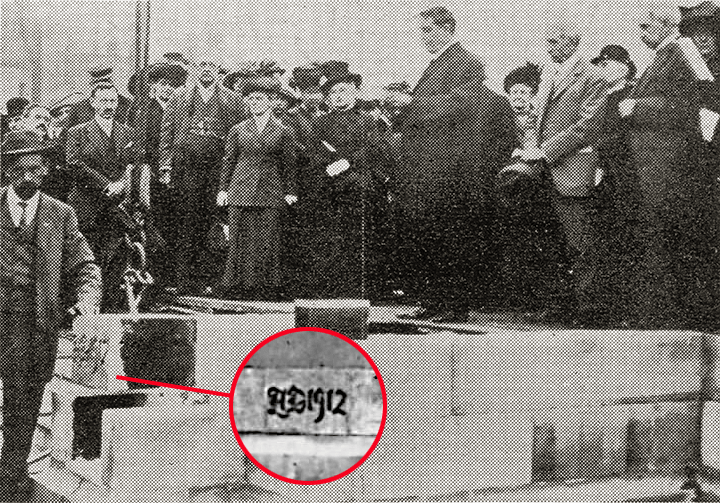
(512, 207)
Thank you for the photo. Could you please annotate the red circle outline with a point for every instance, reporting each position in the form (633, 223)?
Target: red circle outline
(382, 421)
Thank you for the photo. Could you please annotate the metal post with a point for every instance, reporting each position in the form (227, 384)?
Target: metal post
(142, 34)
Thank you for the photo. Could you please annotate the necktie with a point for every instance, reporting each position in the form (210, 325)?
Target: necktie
(23, 217)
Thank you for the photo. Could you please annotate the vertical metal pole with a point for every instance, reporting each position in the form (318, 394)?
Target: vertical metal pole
(142, 34)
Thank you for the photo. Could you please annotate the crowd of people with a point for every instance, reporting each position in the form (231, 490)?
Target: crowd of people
(586, 195)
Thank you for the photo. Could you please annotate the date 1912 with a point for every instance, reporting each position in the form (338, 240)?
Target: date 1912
(283, 402)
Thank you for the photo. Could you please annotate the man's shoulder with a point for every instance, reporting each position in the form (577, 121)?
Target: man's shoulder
(55, 205)
(80, 128)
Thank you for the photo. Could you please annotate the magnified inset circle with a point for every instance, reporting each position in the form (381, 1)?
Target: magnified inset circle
(309, 406)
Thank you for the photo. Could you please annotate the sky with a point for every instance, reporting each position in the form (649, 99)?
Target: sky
(378, 37)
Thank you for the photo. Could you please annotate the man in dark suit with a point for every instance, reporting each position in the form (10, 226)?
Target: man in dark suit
(572, 99)
(101, 154)
(83, 111)
(665, 140)
(456, 134)
(47, 272)
(192, 140)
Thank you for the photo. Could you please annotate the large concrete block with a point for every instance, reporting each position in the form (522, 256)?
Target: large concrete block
(711, 435)
(449, 455)
(417, 372)
(147, 448)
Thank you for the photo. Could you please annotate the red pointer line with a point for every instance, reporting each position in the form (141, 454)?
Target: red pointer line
(173, 386)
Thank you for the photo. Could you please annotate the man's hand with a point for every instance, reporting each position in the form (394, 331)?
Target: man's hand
(164, 176)
(290, 199)
(222, 198)
(532, 154)
(338, 167)
(115, 188)
(518, 152)
(626, 107)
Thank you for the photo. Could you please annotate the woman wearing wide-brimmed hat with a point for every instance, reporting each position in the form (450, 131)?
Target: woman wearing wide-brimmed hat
(257, 182)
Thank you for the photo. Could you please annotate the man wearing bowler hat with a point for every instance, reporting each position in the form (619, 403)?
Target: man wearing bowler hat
(47, 272)
(192, 142)
(83, 111)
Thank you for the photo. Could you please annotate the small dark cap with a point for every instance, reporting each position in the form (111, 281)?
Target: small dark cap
(616, 53)
(263, 85)
(176, 57)
(335, 72)
(23, 142)
(175, 73)
(15, 106)
(402, 87)
(100, 74)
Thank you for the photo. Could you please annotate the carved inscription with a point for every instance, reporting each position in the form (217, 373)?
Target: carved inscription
(283, 402)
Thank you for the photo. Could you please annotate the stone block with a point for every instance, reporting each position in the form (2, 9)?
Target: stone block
(307, 457)
(417, 372)
(710, 442)
(215, 456)
(166, 436)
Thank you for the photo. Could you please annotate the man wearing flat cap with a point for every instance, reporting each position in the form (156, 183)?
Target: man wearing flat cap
(192, 140)
(83, 111)
(47, 273)
(456, 133)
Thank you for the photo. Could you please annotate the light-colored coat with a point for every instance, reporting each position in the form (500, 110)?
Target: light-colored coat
(570, 119)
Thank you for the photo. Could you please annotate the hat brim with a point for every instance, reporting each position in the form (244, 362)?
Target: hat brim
(352, 78)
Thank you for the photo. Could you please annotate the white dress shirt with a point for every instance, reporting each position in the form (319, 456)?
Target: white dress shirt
(16, 210)
(444, 49)
(105, 124)
(262, 120)
(206, 92)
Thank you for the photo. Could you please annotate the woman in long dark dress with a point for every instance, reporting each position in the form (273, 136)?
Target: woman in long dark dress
(257, 183)
(350, 164)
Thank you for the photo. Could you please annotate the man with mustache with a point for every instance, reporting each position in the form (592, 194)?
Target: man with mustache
(57, 183)
(192, 142)
(100, 156)
(47, 272)
(84, 111)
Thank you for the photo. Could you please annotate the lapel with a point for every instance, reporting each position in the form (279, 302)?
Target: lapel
(550, 92)
(270, 134)
(97, 139)
(435, 64)
(43, 218)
